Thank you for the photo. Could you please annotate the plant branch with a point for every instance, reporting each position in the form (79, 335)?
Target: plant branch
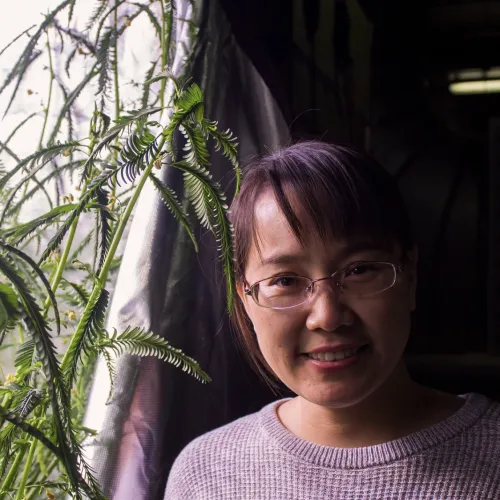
(117, 86)
(31, 430)
(166, 30)
(11, 476)
(33, 491)
(17, 38)
(97, 289)
(115, 65)
(23, 122)
(62, 262)
(49, 98)
(27, 468)
(18, 160)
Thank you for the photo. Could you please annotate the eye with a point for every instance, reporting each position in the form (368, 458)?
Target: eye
(360, 269)
(284, 281)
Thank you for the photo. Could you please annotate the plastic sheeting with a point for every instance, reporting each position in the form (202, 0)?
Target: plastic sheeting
(165, 286)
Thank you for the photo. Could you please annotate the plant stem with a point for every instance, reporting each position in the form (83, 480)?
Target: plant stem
(170, 21)
(111, 253)
(33, 491)
(21, 335)
(27, 469)
(62, 262)
(11, 476)
(41, 461)
(123, 222)
(115, 65)
(7, 399)
(166, 31)
(56, 280)
(117, 87)
(49, 98)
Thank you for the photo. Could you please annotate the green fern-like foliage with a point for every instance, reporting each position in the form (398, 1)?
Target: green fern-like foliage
(43, 156)
(139, 149)
(9, 310)
(206, 195)
(105, 220)
(26, 258)
(19, 232)
(226, 142)
(30, 53)
(112, 134)
(169, 197)
(140, 342)
(88, 330)
(210, 205)
(36, 325)
(57, 266)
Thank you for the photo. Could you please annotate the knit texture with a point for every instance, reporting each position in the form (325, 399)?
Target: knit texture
(257, 458)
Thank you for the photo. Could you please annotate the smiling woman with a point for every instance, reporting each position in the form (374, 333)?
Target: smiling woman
(326, 276)
(312, 210)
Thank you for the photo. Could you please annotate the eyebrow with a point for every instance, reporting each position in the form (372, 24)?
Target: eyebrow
(361, 246)
(277, 259)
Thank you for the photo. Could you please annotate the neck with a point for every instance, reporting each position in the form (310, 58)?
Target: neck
(398, 408)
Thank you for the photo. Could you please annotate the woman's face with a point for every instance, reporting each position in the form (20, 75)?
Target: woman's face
(377, 325)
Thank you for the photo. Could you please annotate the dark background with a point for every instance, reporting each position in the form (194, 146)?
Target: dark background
(374, 73)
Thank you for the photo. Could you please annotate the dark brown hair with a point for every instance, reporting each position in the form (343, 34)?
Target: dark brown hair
(346, 193)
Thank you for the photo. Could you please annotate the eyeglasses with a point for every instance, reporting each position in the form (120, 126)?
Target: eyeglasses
(359, 279)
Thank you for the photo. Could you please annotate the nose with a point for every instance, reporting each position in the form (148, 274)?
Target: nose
(327, 309)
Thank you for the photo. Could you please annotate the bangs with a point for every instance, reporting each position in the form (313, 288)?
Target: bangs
(325, 202)
(323, 191)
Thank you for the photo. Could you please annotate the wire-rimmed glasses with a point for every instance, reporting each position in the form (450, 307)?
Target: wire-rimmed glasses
(359, 279)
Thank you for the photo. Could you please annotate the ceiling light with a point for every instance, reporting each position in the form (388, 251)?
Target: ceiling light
(466, 74)
(475, 87)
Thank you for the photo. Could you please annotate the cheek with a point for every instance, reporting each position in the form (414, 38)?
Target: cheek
(277, 335)
(387, 320)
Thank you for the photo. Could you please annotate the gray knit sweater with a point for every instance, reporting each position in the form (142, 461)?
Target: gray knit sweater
(257, 458)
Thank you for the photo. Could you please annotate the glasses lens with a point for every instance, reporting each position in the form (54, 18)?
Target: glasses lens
(368, 278)
(283, 291)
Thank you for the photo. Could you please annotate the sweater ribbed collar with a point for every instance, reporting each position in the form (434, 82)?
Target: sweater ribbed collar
(355, 458)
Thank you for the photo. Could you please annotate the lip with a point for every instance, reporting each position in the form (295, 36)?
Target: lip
(333, 348)
(336, 365)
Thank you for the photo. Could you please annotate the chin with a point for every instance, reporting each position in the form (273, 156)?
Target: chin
(337, 395)
(337, 399)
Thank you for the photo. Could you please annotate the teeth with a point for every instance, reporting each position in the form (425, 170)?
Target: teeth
(333, 356)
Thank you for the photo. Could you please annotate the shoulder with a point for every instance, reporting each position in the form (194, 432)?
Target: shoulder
(484, 433)
(213, 456)
(489, 414)
(221, 440)
(488, 410)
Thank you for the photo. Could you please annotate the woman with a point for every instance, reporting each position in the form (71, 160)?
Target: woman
(326, 277)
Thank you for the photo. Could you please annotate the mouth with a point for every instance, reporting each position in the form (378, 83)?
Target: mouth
(335, 355)
(338, 358)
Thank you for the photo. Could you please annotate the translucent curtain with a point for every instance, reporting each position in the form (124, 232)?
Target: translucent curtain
(165, 286)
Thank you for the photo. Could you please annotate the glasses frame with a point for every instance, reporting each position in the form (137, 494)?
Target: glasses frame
(397, 269)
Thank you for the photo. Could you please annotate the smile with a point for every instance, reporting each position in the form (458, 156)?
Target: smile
(333, 356)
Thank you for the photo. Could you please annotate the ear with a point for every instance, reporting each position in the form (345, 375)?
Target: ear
(240, 290)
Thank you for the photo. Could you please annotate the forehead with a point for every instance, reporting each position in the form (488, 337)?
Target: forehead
(271, 230)
(275, 242)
